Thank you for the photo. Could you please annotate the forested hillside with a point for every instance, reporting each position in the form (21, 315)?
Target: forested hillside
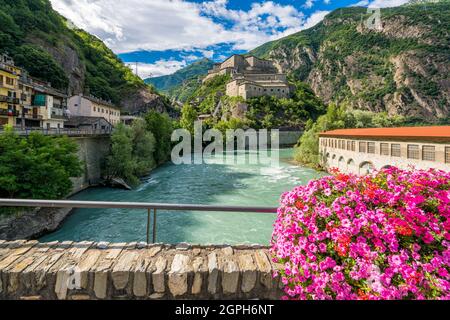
(51, 48)
(402, 67)
(183, 82)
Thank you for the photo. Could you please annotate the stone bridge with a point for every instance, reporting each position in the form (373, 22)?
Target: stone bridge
(96, 270)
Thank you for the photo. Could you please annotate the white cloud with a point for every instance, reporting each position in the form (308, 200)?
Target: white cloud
(387, 3)
(314, 19)
(159, 68)
(380, 3)
(309, 3)
(131, 25)
(362, 3)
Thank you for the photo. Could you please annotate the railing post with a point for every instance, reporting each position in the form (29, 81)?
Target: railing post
(148, 225)
(154, 225)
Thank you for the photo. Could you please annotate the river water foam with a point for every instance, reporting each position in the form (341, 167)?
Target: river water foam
(210, 184)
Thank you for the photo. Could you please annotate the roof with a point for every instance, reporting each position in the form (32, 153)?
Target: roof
(99, 101)
(407, 133)
(129, 117)
(76, 121)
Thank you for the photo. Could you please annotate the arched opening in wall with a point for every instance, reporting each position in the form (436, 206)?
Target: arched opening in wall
(351, 166)
(366, 168)
(326, 159)
(341, 164)
(333, 161)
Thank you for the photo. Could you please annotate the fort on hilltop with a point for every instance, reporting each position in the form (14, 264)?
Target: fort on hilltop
(251, 77)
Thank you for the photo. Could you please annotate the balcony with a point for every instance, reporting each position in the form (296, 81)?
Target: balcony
(58, 117)
(9, 113)
(31, 116)
(10, 100)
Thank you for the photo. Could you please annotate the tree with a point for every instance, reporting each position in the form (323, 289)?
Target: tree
(120, 163)
(38, 166)
(188, 116)
(144, 146)
(161, 127)
(132, 153)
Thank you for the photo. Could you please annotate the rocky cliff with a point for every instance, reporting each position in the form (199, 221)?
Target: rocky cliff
(401, 66)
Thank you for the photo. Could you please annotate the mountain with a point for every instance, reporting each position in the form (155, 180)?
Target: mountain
(51, 48)
(402, 67)
(182, 82)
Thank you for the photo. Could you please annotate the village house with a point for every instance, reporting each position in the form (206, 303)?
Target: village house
(28, 102)
(41, 104)
(128, 120)
(9, 94)
(96, 124)
(88, 106)
(251, 77)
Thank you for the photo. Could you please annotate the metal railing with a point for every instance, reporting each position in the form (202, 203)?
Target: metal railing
(71, 132)
(134, 205)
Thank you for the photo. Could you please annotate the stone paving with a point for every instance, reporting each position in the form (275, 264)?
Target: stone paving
(30, 270)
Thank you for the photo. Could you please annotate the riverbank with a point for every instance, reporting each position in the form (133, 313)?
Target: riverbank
(32, 224)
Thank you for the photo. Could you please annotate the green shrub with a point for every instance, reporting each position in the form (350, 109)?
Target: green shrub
(38, 166)
(161, 126)
(132, 153)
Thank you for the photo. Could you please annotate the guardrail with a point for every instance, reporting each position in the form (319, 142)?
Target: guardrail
(61, 132)
(134, 205)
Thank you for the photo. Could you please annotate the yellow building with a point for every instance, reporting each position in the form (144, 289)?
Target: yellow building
(9, 91)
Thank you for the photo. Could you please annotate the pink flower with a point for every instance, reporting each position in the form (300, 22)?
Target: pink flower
(322, 247)
(383, 228)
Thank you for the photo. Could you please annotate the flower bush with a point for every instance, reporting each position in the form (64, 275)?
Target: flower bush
(381, 236)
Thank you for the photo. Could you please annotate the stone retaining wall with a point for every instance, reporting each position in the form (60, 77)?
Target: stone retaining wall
(92, 151)
(88, 270)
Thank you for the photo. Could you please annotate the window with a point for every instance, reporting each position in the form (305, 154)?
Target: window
(371, 147)
(363, 147)
(9, 81)
(429, 153)
(349, 145)
(1, 80)
(413, 151)
(94, 109)
(447, 154)
(384, 149)
(395, 150)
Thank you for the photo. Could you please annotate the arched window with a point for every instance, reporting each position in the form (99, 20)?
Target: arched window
(366, 168)
(341, 163)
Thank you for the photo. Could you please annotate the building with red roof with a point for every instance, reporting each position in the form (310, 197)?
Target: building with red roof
(362, 150)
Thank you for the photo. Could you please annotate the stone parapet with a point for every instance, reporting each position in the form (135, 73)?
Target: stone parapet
(89, 270)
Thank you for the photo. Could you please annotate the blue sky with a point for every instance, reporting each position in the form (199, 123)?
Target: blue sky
(163, 36)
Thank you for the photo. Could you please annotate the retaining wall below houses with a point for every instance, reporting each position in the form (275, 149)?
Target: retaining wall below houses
(93, 151)
(87, 270)
(289, 138)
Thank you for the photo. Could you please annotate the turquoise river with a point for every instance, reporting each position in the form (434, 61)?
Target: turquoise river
(210, 184)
